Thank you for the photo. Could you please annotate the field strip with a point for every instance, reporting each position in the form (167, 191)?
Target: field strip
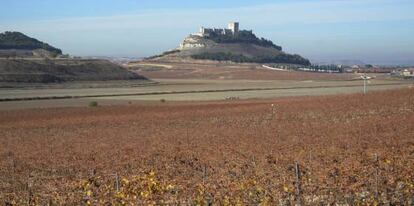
(155, 65)
(185, 92)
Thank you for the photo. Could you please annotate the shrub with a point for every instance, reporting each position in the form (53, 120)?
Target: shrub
(93, 104)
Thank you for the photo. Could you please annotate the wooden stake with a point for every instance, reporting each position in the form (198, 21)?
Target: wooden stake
(298, 185)
(376, 177)
(204, 174)
(117, 182)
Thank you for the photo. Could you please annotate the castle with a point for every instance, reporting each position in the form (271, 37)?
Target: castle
(233, 29)
(196, 40)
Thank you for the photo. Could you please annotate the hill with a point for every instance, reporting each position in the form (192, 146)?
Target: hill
(62, 70)
(25, 59)
(229, 45)
(17, 42)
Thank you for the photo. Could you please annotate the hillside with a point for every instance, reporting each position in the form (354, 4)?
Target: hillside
(17, 42)
(241, 47)
(25, 59)
(61, 70)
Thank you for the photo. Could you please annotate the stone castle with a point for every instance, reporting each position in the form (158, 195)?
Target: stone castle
(232, 29)
(195, 40)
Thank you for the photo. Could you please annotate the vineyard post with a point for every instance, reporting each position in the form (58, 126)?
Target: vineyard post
(254, 161)
(204, 174)
(29, 191)
(376, 176)
(298, 185)
(117, 181)
(310, 158)
(30, 197)
(13, 165)
(188, 139)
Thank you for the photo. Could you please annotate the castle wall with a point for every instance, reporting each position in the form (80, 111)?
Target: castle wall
(233, 29)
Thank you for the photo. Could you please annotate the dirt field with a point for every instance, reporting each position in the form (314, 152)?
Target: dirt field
(350, 149)
(190, 81)
(214, 70)
(124, 93)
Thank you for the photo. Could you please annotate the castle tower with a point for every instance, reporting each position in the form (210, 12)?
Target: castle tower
(202, 30)
(234, 27)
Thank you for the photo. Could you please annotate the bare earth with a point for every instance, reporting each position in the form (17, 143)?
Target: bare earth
(215, 70)
(190, 81)
(183, 90)
(352, 149)
(223, 134)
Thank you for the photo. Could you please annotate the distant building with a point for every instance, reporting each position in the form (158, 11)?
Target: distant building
(355, 66)
(406, 73)
(233, 29)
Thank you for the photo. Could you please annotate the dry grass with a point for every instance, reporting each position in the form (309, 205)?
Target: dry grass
(225, 153)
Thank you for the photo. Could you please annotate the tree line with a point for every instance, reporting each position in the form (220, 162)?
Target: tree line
(239, 58)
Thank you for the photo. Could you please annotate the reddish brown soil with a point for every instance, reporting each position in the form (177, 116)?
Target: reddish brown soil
(350, 148)
(230, 71)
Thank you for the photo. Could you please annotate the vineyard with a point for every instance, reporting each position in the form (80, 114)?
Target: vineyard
(326, 150)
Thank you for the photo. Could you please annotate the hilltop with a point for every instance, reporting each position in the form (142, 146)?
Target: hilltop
(18, 44)
(231, 44)
(26, 59)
